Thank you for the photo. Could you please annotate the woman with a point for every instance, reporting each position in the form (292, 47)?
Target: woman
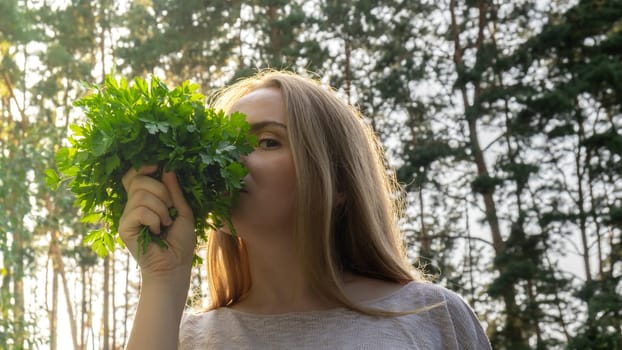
(317, 261)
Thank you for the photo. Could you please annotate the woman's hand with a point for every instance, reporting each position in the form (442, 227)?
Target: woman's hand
(148, 205)
(165, 272)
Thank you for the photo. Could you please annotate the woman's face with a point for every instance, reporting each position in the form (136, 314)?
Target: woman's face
(267, 201)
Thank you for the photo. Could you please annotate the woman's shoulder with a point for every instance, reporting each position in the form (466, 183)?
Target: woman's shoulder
(440, 306)
(196, 317)
(360, 288)
(416, 293)
(422, 295)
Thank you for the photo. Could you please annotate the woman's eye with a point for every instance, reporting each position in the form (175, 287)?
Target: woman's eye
(268, 143)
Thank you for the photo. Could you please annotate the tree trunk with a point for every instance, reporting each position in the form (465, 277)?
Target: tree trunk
(90, 308)
(53, 314)
(597, 230)
(275, 36)
(113, 304)
(83, 307)
(106, 286)
(581, 199)
(58, 261)
(126, 305)
(424, 240)
(532, 297)
(106, 311)
(22, 113)
(347, 68)
(513, 329)
(18, 245)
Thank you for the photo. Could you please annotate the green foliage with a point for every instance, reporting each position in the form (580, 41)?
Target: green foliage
(129, 126)
(615, 216)
(192, 39)
(420, 158)
(14, 22)
(602, 330)
(520, 259)
(280, 39)
(609, 140)
(485, 184)
(577, 112)
(519, 172)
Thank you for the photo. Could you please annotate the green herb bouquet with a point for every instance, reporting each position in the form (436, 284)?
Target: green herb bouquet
(130, 125)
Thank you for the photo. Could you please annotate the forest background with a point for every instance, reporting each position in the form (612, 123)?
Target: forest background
(502, 120)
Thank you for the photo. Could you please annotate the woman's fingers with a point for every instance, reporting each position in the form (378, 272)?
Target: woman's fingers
(147, 204)
(178, 200)
(153, 186)
(143, 216)
(153, 203)
(128, 178)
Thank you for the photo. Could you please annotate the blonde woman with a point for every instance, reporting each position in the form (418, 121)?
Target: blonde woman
(318, 261)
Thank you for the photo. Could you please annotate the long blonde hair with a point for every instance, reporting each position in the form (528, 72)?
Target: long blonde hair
(347, 209)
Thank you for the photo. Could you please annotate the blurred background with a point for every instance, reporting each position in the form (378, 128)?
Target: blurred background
(502, 119)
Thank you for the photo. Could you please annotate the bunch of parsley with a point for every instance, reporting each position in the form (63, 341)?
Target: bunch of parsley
(147, 123)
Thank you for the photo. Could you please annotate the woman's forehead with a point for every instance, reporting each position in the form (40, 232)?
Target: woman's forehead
(262, 105)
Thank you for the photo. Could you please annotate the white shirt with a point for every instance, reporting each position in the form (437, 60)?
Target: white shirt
(452, 325)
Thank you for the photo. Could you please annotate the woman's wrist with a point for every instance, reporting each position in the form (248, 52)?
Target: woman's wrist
(160, 308)
(180, 275)
(174, 283)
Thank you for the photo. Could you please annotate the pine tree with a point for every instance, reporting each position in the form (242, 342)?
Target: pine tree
(72, 37)
(16, 322)
(180, 40)
(579, 114)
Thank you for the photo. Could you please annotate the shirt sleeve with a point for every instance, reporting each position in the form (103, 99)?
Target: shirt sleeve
(469, 331)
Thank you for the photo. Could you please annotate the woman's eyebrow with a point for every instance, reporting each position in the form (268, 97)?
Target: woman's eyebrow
(262, 125)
